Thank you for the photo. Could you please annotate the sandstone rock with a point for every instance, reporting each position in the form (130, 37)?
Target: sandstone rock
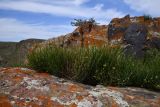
(95, 35)
(112, 34)
(24, 87)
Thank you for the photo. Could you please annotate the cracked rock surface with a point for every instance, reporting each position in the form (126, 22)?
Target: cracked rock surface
(22, 87)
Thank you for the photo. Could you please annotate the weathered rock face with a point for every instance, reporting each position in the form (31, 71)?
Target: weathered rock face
(154, 43)
(12, 53)
(118, 26)
(86, 35)
(136, 34)
(24, 87)
(95, 35)
(112, 34)
(135, 37)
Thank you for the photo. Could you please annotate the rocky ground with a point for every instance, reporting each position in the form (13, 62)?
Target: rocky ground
(21, 87)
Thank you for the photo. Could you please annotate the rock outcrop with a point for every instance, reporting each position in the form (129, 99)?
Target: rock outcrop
(21, 87)
(112, 34)
(12, 53)
(136, 34)
(83, 35)
(118, 26)
(135, 38)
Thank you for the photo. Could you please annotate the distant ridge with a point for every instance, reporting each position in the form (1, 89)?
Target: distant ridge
(13, 53)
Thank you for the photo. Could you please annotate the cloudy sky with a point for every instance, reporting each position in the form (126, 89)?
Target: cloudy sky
(22, 19)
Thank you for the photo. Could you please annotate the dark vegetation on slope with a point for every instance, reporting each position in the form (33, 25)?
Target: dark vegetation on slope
(14, 53)
(103, 65)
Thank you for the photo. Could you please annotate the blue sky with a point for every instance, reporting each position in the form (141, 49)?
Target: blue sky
(44, 19)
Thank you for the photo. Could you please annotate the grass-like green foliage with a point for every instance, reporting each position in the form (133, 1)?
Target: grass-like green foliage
(107, 66)
(147, 17)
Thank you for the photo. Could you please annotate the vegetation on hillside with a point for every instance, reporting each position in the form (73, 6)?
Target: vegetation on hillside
(80, 22)
(147, 17)
(107, 66)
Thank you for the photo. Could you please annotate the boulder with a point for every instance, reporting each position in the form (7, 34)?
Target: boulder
(21, 87)
(118, 26)
(154, 43)
(135, 38)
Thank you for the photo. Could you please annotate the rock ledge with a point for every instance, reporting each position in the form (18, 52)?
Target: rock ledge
(21, 87)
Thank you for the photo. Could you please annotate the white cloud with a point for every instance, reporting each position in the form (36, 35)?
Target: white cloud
(62, 8)
(99, 7)
(12, 28)
(150, 7)
(60, 2)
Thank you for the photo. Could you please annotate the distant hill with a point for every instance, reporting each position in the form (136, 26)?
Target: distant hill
(13, 53)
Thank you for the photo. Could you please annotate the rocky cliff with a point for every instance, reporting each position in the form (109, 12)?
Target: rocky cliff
(134, 34)
(21, 87)
(95, 35)
(12, 53)
(118, 26)
(112, 34)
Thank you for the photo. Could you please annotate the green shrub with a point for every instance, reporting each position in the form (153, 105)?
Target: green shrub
(53, 60)
(103, 65)
(147, 17)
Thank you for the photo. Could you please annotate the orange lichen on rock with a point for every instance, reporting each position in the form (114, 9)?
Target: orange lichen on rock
(118, 26)
(4, 101)
(94, 36)
(36, 90)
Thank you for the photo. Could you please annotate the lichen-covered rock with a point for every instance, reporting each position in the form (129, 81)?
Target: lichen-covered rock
(154, 43)
(134, 34)
(95, 35)
(21, 87)
(111, 34)
(135, 38)
(118, 26)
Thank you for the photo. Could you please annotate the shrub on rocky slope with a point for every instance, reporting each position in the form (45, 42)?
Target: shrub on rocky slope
(103, 65)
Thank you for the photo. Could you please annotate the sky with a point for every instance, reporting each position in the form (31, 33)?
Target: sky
(44, 19)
